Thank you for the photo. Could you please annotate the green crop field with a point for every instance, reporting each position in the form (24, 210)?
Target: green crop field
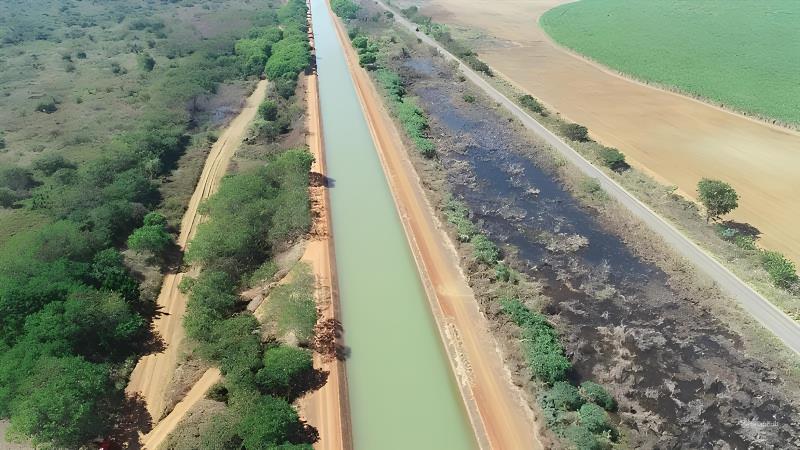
(742, 54)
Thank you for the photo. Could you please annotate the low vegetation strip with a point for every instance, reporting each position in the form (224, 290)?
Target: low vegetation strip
(254, 215)
(741, 55)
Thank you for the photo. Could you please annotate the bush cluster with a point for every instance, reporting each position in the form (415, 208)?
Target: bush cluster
(531, 103)
(411, 116)
(543, 351)
(575, 132)
(591, 426)
(346, 9)
(780, 269)
(251, 215)
(613, 159)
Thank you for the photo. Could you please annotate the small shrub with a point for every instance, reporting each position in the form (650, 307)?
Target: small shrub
(595, 393)
(782, 271)
(47, 106)
(485, 250)
(477, 65)
(582, 438)
(562, 396)
(268, 110)
(346, 9)
(575, 132)
(469, 98)
(146, 62)
(284, 371)
(218, 392)
(531, 103)
(502, 272)
(543, 351)
(613, 159)
(594, 418)
(49, 163)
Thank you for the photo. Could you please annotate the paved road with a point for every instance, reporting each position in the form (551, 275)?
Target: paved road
(761, 309)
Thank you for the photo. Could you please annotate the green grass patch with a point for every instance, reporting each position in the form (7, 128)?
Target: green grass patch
(292, 307)
(740, 54)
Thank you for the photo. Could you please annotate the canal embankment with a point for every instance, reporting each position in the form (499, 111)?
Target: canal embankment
(632, 318)
(402, 393)
(498, 413)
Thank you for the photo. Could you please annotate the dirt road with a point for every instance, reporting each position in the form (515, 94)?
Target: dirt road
(771, 317)
(326, 409)
(153, 372)
(675, 138)
(497, 411)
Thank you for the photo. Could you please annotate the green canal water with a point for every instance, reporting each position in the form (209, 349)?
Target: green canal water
(402, 390)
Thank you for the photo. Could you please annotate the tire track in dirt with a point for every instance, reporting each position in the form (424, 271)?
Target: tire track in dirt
(153, 372)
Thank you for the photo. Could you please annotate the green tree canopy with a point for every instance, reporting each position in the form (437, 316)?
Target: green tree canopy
(595, 393)
(269, 422)
(594, 418)
(284, 371)
(64, 401)
(718, 197)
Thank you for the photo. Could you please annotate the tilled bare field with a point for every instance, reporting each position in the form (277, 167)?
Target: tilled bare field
(681, 376)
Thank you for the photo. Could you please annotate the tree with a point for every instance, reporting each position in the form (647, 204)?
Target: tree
(284, 371)
(268, 110)
(718, 197)
(575, 132)
(267, 423)
(593, 392)
(582, 438)
(154, 219)
(64, 401)
(562, 396)
(594, 418)
(151, 236)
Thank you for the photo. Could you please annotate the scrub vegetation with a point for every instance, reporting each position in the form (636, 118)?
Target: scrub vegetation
(741, 55)
(255, 214)
(410, 115)
(96, 167)
(85, 163)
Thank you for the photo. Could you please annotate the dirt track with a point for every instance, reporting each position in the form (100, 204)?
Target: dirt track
(324, 409)
(496, 408)
(675, 138)
(153, 372)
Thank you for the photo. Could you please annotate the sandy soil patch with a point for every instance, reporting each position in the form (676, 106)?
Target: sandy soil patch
(675, 138)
